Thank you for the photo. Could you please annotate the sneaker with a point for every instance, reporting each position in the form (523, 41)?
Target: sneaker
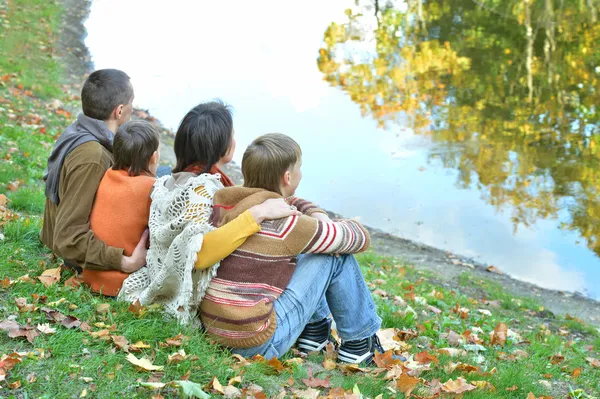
(315, 336)
(361, 351)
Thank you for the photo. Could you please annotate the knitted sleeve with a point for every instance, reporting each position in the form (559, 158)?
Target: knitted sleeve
(309, 235)
(304, 206)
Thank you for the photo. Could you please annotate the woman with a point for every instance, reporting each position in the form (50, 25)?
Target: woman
(183, 243)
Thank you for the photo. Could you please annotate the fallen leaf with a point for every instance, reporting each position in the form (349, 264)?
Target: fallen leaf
(15, 385)
(101, 334)
(46, 329)
(556, 359)
(177, 357)
(74, 282)
(406, 384)
(176, 340)
(593, 362)
(103, 308)
(275, 364)
(142, 363)
(14, 185)
(426, 358)
(191, 389)
(136, 308)
(499, 335)
(308, 393)
(120, 342)
(453, 352)
(576, 373)
(484, 385)
(138, 346)
(386, 360)
(315, 382)
(329, 357)
(457, 386)
(50, 277)
(216, 386)
(511, 389)
(70, 322)
(231, 392)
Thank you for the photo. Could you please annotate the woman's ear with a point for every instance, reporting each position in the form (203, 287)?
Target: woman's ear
(154, 158)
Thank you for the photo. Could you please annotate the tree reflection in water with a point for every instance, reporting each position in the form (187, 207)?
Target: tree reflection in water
(512, 84)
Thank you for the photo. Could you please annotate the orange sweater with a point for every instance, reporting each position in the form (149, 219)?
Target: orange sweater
(119, 217)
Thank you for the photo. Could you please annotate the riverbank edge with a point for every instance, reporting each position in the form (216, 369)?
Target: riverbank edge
(445, 264)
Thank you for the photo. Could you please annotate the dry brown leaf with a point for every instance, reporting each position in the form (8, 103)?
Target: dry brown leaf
(15, 385)
(50, 276)
(511, 389)
(330, 357)
(14, 185)
(453, 352)
(275, 364)
(576, 373)
(176, 340)
(426, 358)
(137, 309)
(557, 359)
(386, 360)
(101, 334)
(457, 386)
(315, 382)
(406, 384)
(499, 335)
(120, 342)
(143, 363)
(70, 322)
(103, 308)
(308, 393)
(74, 282)
(138, 346)
(484, 385)
(593, 362)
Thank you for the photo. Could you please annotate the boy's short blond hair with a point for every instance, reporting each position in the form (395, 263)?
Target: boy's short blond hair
(267, 159)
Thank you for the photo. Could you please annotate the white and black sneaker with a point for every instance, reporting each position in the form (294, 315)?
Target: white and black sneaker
(315, 336)
(360, 351)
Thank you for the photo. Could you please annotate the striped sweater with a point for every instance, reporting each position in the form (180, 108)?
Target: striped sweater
(237, 310)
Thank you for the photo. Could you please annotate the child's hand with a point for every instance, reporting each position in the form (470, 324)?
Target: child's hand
(137, 260)
(274, 208)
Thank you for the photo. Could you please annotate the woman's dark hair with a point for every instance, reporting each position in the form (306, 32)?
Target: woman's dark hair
(103, 91)
(134, 144)
(204, 136)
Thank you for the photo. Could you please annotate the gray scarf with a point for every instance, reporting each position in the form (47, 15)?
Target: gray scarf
(84, 129)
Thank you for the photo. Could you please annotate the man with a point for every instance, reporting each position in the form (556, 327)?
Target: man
(78, 161)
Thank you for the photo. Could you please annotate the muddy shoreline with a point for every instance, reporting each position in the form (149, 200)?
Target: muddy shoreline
(446, 265)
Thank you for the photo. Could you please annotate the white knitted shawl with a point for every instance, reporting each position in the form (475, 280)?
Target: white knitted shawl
(179, 218)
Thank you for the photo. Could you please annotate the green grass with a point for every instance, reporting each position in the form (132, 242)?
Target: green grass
(61, 365)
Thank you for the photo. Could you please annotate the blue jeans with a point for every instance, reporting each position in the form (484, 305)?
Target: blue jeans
(321, 284)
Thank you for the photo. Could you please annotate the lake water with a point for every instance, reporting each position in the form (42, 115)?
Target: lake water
(414, 131)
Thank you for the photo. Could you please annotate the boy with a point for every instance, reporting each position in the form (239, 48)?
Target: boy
(122, 206)
(76, 165)
(264, 296)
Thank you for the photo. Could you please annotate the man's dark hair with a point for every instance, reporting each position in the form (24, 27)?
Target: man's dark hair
(134, 144)
(204, 136)
(103, 91)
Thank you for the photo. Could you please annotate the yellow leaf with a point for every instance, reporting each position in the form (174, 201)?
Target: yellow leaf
(142, 363)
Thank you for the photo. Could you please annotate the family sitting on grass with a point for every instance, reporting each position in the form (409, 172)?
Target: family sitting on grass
(253, 263)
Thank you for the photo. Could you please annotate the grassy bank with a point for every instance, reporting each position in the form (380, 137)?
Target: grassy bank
(59, 341)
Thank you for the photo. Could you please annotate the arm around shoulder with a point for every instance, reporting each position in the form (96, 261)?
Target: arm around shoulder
(73, 238)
